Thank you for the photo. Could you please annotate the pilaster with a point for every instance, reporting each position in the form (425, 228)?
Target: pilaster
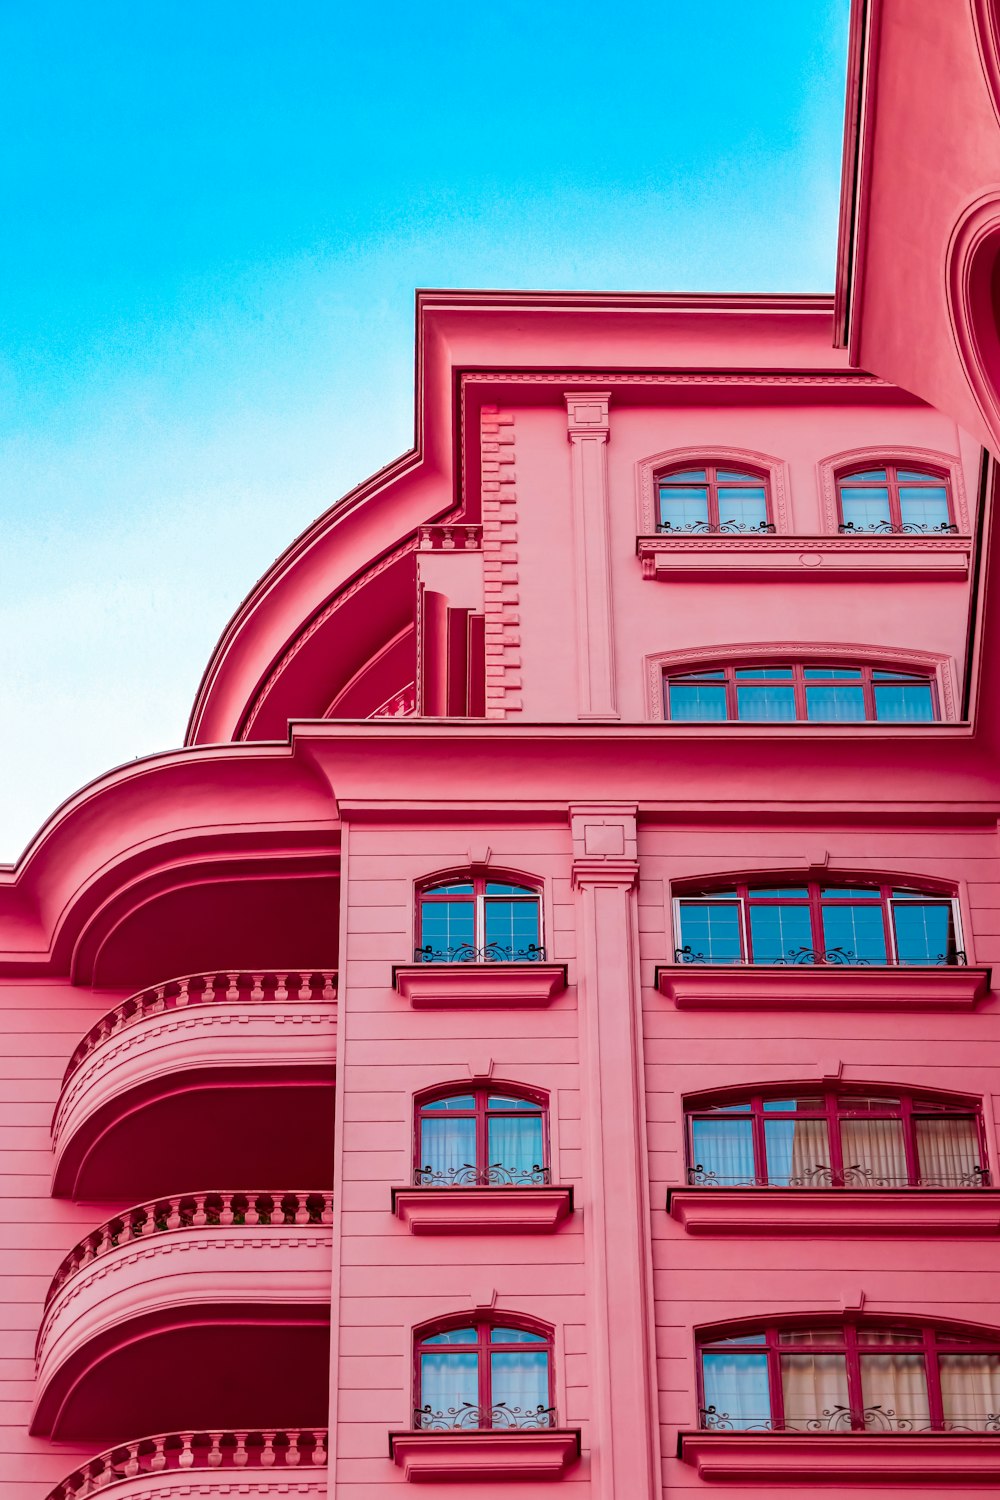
(588, 429)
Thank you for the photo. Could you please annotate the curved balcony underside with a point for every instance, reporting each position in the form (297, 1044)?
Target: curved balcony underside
(203, 1325)
(176, 1084)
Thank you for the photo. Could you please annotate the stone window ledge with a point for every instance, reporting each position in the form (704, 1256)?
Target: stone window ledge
(478, 986)
(482, 1210)
(865, 1212)
(666, 557)
(448, 1457)
(823, 987)
(850, 1458)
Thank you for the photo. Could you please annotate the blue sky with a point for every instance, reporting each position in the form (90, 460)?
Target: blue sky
(214, 219)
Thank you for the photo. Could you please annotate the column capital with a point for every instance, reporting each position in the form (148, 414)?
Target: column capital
(587, 414)
(605, 845)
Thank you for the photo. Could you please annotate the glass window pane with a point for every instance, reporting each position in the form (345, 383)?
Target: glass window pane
(850, 892)
(514, 1147)
(814, 1392)
(864, 509)
(449, 1389)
(927, 508)
(925, 932)
(785, 1106)
(873, 1153)
(515, 1336)
(511, 928)
(745, 507)
(948, 1152)
(520, 1388)
(854, 934)
(970, 1391)
(722, 1153)
(682, 476)
(683, 506)
(447, 1151)
(894, 1391)
(835, 705)
(737, 1393)
(712, 931)
(503, 888)
(898, 677)
(723, 474)
(718, 676)
(816, 1337)
(453, 1336)
(779, 932)
(452, 888)
(447, 928)
(765, 674)
(454, 1101)
(824, 674)
(500, 1101)
(698, 704)
(868, 1335)
(798, 1153)
(765, 705)
(869, 474)
(911, 703)
(917, 474)
(770, 891)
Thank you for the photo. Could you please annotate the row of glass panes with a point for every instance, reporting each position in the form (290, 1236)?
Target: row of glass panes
(784, 694)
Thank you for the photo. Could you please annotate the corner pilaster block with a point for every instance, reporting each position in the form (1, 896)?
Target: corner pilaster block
(588, 431)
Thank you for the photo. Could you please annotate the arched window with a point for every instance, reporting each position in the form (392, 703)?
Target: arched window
(481, 1137)
(478, 919)
(817, 922)
(483, 1374)
(711, 499)
(783, 693)
(845, 1376)
(817, 1137)
(892, 499)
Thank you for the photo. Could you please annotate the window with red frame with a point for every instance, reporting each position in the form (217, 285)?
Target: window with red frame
(712, 499)
(828, 1138)
(789, 693)
(894, 499)
(484, 1137)
(843, 1377)
(479, 920)
(817, 923)
(477, 1375)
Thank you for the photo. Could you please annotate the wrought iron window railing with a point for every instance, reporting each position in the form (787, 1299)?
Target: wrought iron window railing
(492, 953)
(466, 1417)
(840, 1419)
(716, 528)
(854, 1176)
(829, 957)
(495, 1175)
(905, 528)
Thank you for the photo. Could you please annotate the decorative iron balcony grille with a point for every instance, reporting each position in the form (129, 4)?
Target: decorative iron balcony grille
(906, 528)
(495, 1175)
(278, 1448)
(228, 986)
(493, 953)
(855, 1176)
(841, 1419)
(193, 1211)
(710, 528)
(466, 1417)
(829, 957)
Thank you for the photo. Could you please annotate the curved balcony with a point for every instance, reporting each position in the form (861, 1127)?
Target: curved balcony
(259, 1458)
(196, 1309)
(147, 1087)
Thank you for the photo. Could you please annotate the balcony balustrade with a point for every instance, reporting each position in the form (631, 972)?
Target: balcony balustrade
(256, 1455)
(147, 1085)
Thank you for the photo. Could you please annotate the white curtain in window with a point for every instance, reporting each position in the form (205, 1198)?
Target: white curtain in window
(970, 1390)
(873, 1153)
(515, 1145)
(894, 1390)
(798, 1153)
(449, 1382)
(520, 1385)
(447, 1145)
(948, 1152)
(737, 1393)
(722, 1150)
(814, 1389)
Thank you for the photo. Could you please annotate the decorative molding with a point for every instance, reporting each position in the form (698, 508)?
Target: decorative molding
(918, 1213)
(665, 557)
(942, 667)
(588, 430)
(904, 457)
(501, 596)
(612, 378)
(973, 255)
(482, 1210)
(946, 1459)
(447, 1457)
(488, 986)
(986, 20)
(823, 987)
(646, 470)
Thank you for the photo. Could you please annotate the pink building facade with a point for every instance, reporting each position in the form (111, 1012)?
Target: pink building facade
(539, 1031)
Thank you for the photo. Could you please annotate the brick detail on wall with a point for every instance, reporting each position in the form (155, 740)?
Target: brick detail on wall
(500, 575)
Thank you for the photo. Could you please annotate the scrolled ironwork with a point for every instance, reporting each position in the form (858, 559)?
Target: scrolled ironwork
(721, 528)
(906, 528)
(823, 1176)
(841, 1419)
(494, 1175)
(824, 957)
(492, 953)
(845, 957)
(467, 1417)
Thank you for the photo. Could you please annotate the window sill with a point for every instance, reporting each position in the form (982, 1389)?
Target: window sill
(478, 986)
(482, 1210)
(710, 557)
(443, 1457)
(746, 987)
(790, 1458)
(922, 1213)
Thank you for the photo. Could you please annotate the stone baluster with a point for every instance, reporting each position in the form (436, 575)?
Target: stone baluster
(256, 986)
(241, 1457)
(213, 1458)
(233, 992)
(185, 1459)
(281, 988)
(158, 1457)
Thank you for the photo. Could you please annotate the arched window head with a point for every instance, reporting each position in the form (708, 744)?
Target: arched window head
(790, 692)
(479, 919)
(713, 499)
(487, 1136)
(483, 1374)
(893, 499)
(844, 1376)
(819, 1137)
(774, 921)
